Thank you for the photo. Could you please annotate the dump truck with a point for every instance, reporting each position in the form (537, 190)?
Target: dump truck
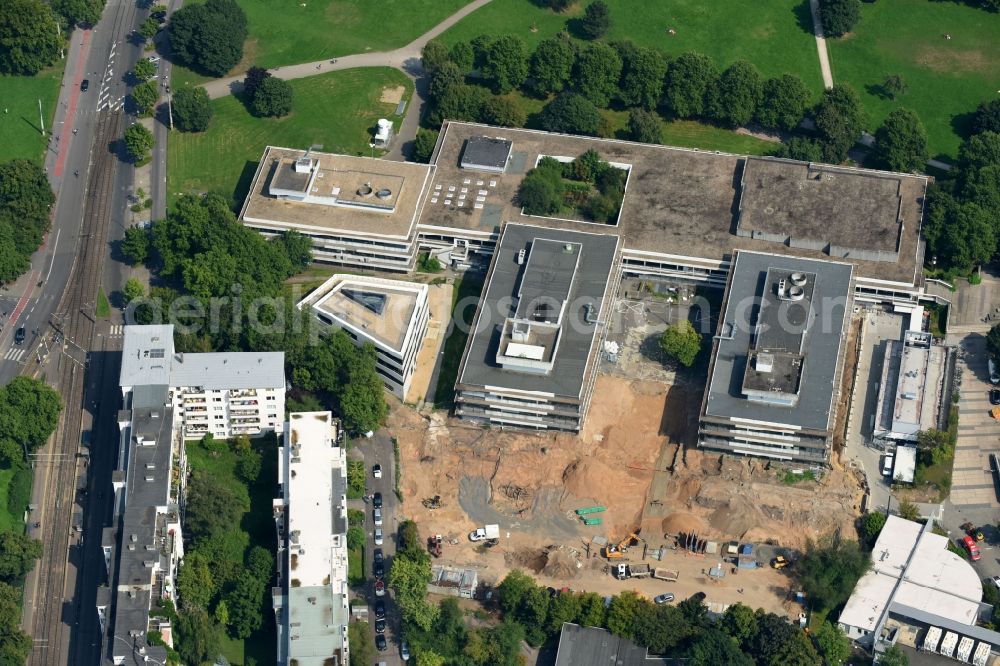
(669, 575)
(434, 545)
(485, 532)
(624, 571)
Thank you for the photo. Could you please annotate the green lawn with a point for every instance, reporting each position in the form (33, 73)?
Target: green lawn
(287, 32)
(947, 78)
(772, 34)
(20, 135)
(15, 495)
(335, 110)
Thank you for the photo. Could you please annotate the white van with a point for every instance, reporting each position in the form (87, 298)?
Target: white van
(994, 373)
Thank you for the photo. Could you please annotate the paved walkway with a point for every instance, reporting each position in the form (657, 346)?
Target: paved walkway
(405, 59)
(824, 57)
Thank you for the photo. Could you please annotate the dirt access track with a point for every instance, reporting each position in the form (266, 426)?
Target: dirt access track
(631, 458)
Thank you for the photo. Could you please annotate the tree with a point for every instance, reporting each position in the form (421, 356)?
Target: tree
(840, 119)
(894, 656)
(513, 589)
(539, 194)
(839, 16)
(714, 647)
(832, 644)
(624, 613)
(255, 76)
(144, 70)
(444, 77)
(408, 577)
(643, 71)
(29, 37)
(462, 55)
(830, 568)
(29, 412)
(212, 507)
(135, 245)
(908, 510)
(987, 117)
(901, 141)
(571, 113)
(797, 650)
(596, 20)
(362, 404)
(133, 289)
(355, 538)
(195, 585)
(773, 632)
(298, 247)
(597, 72)
(209, 37)
(532, 613)
(359, 636)
(505, 64)
(959, 234)
(551, 64)
(138, 142)
(563, 608)
(733, 99)
(248, 466)
(871, 526)
(433, 55)
(192, 109)
(783, 102)
(145, 96)
(25, 202)
(662, 629)
(591, 610)
(149, 28)
(244, 602)
(740, 622)
(556, 5)
(978, 151)
(681, 342)
(423, 145)
(18, 553)
(273, 98)
(644, 126)
(200, 637)
(503, 111)
(409, 537)
(894, 86)
(15, 645)
(84, 12)
(687, 82)
(458, 102)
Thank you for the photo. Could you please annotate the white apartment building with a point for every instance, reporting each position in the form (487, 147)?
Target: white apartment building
(223, 394)
(311, 598)
(390, 314)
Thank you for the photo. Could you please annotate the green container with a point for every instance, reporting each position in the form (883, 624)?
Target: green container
(593, 521)
(590, 509)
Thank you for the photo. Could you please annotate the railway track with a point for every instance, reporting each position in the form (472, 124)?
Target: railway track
(75, 320)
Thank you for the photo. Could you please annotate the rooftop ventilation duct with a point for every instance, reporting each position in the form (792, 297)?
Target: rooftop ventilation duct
(798, 279)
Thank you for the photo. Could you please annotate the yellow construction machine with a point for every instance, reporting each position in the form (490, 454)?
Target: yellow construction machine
(618, 550)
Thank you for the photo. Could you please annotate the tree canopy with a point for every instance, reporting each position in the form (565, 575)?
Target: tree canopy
(84, 12)
(901, 141)
(734, 98)
(987, 118)
(681, 342)
(839, 16)
(145, 96)
(15, 645)
(571, 113)
(192, 109)
(423, 145)
(212, 507)
(138, 142)
(643, 71)
(840, 120)
(29, 37)
(505, 64)
(783, 102)
(830, 568)
(209, 37)
(200, 636)
(596, 20)
(551, 64)
(18, 553)
(25, 202)
(597, 72)
(272, 98)
(644, 126)
(29, 413)
(688, 79)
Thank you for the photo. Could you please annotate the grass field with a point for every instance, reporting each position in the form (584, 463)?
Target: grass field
(947, 78)
(335, 110)
(20, 135)
(283, 32)
(15, 494)
(772, 34)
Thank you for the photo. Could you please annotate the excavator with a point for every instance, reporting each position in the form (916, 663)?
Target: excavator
(618, 550)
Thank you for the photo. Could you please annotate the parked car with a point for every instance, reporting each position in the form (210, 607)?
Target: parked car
(378, 516)
(379, 610)
(995, 396)
(377, 471)
(378, 536)
(379, 626)
(84, 85)
(19, 336)
(380, 588)
(971, 547)
(379, 570)
(380, 642)
(379, 557)
(377, 500)
(404, 651)
(663, 598)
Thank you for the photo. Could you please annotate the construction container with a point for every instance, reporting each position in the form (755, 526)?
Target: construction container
(964, 649)
(932, 639)
(593, 521)
(590, 509)
(948, 644)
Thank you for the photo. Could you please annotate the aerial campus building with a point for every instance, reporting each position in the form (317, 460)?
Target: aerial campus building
(392, 315)
(311, 598)
(144, 545)
(686, 215)
(223, 394)
(920, 594)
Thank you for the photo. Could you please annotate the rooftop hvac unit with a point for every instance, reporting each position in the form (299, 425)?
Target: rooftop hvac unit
(948, 644)
(303, 165)
(520, 257)
(798, 279)
(964, 649)
(764, 363)
(982, 654)
(932, 639)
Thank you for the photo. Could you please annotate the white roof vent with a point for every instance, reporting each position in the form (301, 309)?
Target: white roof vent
(303, 165)
(764, 363)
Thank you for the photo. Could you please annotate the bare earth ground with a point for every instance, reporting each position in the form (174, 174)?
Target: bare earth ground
(392, 95)
(628, 459)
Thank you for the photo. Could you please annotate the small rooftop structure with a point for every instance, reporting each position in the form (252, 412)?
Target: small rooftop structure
(455, 582)
(592, 646)
(483, 153)
(905, 464)
(146, 354)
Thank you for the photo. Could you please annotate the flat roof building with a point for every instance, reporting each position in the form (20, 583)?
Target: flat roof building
(776, 360)
(912, 388)
(482, 153)
(392, 315)
(311, 599)
(914, 579)
(593, 646)
(531, 358)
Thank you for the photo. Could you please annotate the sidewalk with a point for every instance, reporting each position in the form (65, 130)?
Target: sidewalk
(69, 94)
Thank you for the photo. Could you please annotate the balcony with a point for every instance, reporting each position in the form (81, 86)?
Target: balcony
(246, 420)
(244, 412)
(243, 393)
(244, 402)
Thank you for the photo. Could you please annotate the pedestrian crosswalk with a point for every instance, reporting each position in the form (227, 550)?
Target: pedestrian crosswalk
(14, 354)
(117, 331)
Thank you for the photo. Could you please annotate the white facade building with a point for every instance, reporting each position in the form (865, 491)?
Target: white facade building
(392, 315)
(311, 599)
(222, 394)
